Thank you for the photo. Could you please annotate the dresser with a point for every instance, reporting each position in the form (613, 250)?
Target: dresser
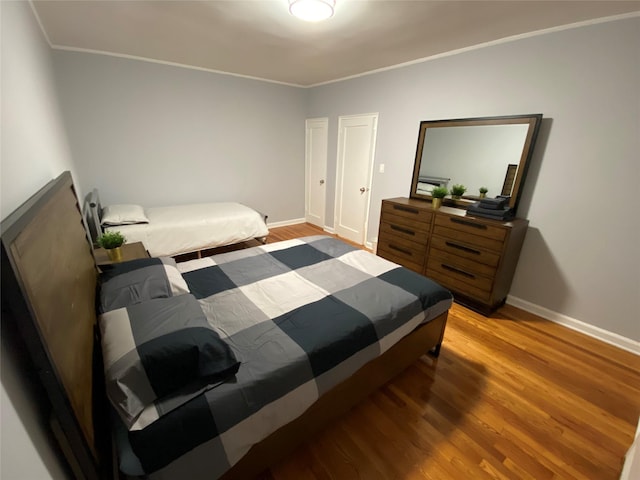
(474, 257)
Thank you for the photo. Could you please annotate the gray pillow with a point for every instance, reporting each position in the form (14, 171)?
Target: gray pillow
(155, 348)
(135, 281)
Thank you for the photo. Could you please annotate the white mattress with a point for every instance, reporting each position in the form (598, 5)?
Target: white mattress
(189, 228)
(424, 188)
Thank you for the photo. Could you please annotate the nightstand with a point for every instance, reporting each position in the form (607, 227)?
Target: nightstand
(130, 251)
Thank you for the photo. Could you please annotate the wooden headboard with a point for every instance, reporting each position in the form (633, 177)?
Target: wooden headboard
(48, 289)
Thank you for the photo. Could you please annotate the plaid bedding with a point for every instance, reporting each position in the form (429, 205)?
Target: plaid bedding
(301, 316)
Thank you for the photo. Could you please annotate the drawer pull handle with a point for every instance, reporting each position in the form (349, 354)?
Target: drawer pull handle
(468, 223)
(402, 250)
(457, 270)
(462, 247)
(403, 230)
(406, 209)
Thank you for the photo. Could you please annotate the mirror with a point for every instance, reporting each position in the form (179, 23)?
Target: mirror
(489, 152)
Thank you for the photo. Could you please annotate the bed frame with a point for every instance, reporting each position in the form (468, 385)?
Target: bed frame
(48, 290)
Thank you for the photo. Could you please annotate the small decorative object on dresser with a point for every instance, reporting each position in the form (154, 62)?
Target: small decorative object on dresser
(483, 192)
(457, 191)
(437, 194)
(112, 243)
(474, 257)
(129, 251)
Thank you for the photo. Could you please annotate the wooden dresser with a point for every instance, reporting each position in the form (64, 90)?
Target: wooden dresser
(473, 257)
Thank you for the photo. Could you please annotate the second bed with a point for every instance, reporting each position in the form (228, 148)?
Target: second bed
(178, 229)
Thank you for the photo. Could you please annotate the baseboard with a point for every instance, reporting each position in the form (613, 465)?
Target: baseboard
(330, 230)
(286, 223)
(606, 336)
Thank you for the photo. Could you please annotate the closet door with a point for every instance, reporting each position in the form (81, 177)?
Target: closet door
(356, 151)
(315, 170)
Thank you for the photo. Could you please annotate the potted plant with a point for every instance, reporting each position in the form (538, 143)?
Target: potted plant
(483, 192)
(111, 242)
(458, 190)
(437, 194)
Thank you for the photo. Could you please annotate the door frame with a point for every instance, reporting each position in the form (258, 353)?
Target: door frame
(374, 138)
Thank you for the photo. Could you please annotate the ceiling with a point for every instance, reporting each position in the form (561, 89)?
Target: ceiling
(259, 38)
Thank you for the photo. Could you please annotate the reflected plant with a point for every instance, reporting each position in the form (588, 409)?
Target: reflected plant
(458, 190)
(439, 192)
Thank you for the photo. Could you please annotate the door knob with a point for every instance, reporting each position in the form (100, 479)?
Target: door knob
(362, 190)
(321, 182)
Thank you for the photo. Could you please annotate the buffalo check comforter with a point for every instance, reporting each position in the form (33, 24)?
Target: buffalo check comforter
(300, 316)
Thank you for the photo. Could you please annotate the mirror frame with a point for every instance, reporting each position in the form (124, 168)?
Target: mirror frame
(533, 120)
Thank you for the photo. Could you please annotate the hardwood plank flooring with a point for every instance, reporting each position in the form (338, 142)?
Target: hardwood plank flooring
(511, 396)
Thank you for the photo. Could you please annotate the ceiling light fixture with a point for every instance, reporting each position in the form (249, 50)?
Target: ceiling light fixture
(312, 10)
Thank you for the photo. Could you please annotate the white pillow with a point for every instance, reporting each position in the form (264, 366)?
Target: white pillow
(123, 215)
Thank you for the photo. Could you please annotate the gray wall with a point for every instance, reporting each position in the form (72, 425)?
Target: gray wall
(34, 142)
(158, 135)
(580, 257)
(34, 150)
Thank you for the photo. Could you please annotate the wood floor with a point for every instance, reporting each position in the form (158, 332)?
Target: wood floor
(511, 396)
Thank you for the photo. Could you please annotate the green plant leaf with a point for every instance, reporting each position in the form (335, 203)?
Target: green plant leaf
(110, 240)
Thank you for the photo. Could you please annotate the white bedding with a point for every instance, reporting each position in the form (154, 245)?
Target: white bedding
(189, 228)
(424, 188)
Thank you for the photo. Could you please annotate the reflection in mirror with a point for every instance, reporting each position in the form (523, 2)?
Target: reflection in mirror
(489, 152)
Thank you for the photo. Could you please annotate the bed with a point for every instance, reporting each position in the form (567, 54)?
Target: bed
(178, 229)
(388, 317)
(426, 183)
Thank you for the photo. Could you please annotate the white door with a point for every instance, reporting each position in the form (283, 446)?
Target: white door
(316, 170)
(356, 149)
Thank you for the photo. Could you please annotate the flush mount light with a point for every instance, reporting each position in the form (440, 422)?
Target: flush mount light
(312, 10)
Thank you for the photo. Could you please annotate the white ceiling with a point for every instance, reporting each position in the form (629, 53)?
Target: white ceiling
(260, 39)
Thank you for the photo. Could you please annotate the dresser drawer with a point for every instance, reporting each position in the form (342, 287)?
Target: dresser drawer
(465, 264)
(388, 229)
(471, 226)
(402, 251)
(459, 273)
(401, 260)
(459, 287)
(465, 250)
(415, 224)
(469, 239)
(408, 212)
